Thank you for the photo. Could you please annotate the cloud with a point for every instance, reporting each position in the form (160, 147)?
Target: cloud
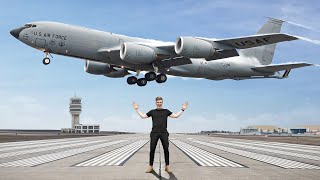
(26, 112)
(313, 41)
(233, 122)
(131, 123)
(303, 26)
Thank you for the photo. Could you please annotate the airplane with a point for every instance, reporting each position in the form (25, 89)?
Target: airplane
(116, 56)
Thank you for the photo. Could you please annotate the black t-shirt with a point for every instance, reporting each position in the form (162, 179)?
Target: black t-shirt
(159, 119)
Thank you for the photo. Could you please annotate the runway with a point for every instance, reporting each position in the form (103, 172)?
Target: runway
(126, 157)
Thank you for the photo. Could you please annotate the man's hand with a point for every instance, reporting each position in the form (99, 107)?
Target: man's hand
(135, 106)
(185, 105)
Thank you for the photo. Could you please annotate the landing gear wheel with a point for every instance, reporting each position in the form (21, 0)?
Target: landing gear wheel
(142, 82)
(150, 76)
(132, 80)
(161, 78)
(46, 61)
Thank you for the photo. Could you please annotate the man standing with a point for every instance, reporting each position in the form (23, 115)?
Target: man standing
(159, 129)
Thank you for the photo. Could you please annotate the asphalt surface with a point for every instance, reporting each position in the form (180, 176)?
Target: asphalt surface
(126, 157)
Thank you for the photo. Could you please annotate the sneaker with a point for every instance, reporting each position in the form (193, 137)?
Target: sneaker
(168, 169)
(149, 170)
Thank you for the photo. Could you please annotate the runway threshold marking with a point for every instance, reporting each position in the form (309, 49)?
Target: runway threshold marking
(253, 147)
(292, 147)
(38, 142)
(280, 162)
(34, 161)
(116, 157)
(202, 157)
(38, 145)
(300, 146)
(29, 151)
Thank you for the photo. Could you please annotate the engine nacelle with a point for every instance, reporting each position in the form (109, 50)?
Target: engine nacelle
(193, 48)
(97, 68)
(137, 54)
(117, 73)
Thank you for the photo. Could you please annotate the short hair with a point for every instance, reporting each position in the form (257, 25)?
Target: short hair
(159, 98)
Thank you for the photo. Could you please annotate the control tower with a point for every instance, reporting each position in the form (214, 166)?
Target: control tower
(75, 110)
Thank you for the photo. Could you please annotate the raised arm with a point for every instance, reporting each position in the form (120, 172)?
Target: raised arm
(141, 114)
(176, 115)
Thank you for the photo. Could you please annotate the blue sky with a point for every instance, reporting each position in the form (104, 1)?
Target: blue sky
(34, 96)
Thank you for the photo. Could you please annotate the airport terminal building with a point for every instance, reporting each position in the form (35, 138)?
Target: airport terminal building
(75, 108)
(267, 129)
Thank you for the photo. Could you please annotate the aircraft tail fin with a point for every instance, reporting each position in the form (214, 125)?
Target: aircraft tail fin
(264, 54)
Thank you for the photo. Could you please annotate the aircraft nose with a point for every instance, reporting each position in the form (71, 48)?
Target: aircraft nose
(15, 32)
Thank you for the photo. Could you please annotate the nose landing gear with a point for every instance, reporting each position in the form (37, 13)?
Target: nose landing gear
(46, 60)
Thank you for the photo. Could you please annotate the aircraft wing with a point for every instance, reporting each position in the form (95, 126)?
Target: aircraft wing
(174, 62)
(250, 41)
(281, 67)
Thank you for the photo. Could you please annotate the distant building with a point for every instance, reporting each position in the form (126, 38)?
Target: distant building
(249, 130)
(266, 129)
(311, 128)
(68, 130)
(298, 130)
(75, 108)
(260, 129)
(87, 128)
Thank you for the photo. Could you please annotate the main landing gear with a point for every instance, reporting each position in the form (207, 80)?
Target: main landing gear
(46, 60)
(150, 76)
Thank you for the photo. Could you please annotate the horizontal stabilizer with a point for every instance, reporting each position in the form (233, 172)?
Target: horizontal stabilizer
(280, 67)
(250, 41)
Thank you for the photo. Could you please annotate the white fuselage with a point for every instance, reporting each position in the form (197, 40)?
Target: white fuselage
(84, 43)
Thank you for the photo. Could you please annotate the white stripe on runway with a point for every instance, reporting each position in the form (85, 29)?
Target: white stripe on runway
(116, 157)
(29, 151)
(39, 145)
(284, 163)
(273, 145)
(24, 143)
(252, 146)
(298, 146)
(34, 161)
(202, 157)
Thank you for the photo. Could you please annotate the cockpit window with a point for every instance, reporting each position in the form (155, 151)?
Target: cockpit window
(30, 25)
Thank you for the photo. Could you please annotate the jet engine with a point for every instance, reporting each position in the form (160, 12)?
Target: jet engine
(137, 53)
(117, 73)
(97, 68)
(193, 48)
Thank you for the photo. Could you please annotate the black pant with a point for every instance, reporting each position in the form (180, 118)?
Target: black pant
(154, 136)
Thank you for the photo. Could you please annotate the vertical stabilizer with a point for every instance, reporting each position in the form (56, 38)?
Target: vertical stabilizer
(264, 54)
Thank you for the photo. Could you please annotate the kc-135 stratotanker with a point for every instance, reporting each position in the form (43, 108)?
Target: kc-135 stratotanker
(115, 56)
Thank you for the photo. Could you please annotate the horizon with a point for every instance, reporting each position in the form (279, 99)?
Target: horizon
(37, 96)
